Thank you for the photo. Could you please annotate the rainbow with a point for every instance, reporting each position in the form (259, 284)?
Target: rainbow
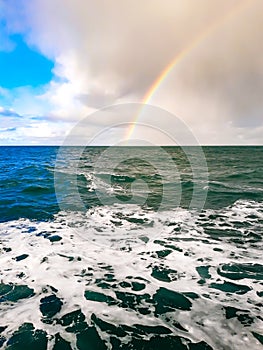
(183, 53)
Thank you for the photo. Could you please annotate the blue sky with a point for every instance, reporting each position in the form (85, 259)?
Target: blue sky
(26, 78)
(25, 72)
(22, 65)
(61, 60)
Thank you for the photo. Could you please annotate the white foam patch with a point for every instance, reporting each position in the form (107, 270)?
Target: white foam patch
(113, 241)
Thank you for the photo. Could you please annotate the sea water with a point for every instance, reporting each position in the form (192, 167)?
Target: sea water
(106, 251)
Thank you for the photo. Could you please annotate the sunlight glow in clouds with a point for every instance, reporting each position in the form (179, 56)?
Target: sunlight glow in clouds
(107, 53)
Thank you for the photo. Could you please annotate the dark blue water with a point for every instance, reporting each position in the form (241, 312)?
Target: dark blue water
(27, 177)
(131, 248)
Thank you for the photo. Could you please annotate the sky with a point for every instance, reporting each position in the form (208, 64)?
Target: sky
(61, 61)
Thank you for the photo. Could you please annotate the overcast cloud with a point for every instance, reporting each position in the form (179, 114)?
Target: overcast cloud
(108, 52)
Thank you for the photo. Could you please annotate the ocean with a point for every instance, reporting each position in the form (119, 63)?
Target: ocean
(131, 248)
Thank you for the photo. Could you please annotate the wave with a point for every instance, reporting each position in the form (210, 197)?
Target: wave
(37, 189)
(244, 174)
(165, 277)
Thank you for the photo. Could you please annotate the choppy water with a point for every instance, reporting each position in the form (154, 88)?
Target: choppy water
(129, 262)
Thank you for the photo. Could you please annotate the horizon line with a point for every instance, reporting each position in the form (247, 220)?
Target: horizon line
(150, 146)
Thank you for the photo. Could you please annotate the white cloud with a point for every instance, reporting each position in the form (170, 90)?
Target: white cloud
(110, 52)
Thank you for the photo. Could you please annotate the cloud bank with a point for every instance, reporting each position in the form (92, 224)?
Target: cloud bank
(111, 52)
